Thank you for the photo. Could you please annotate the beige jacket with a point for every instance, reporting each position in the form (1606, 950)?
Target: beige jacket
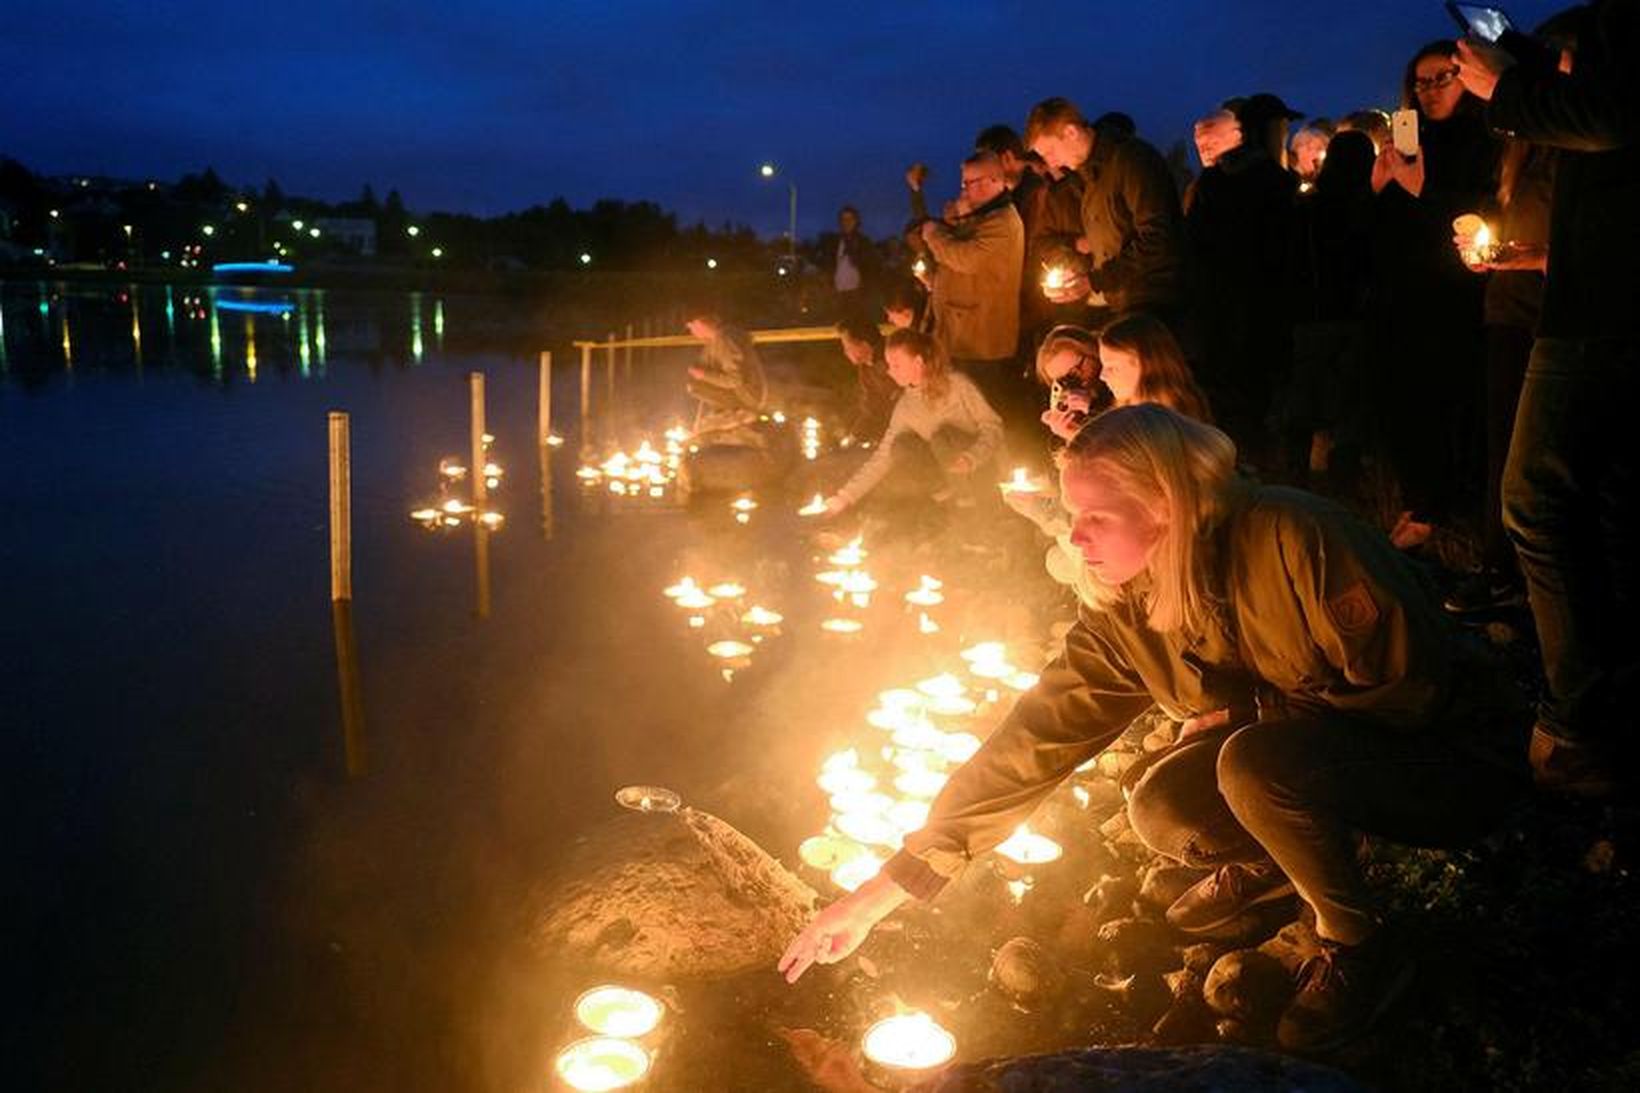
(974, 290)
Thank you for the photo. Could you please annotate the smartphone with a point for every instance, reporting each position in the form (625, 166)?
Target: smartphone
(1403, 128)
(1487, 24)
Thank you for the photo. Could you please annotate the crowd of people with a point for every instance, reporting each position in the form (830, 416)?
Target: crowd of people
(1444, 298)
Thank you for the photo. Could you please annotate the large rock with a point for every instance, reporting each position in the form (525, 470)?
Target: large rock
(1248, 986)
(1026, 974)
(671, 896)
(1149, 1069)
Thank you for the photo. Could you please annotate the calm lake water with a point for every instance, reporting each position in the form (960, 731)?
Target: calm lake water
(207, 900)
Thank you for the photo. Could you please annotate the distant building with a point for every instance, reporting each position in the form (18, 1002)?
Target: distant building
(352, 233)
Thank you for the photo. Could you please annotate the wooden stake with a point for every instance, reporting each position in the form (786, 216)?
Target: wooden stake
(341, 508)
(475, 471)
(586, 402)
(544, 413)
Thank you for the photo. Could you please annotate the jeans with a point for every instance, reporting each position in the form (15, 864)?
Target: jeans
(1569, 507)
(1298, 791)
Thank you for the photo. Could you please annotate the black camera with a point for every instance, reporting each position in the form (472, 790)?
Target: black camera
(1075, 383)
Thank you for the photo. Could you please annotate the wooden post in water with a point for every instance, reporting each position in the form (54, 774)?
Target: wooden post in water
(475, 470)
(545, 452)
(586, 402)
(609, 393)
(341, 508)
(341, 593)
(481, 495)
(543, 427)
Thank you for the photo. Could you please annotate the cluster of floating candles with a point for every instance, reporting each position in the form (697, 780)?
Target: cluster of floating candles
(750, 625)
(646, 471)
(810, 438)
(851, 586)
(453, 512)
(611, 1058)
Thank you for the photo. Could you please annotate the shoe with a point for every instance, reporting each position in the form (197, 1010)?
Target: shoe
(1559, 766)
(1222, 897)
(1482, 591)
(1342, 992)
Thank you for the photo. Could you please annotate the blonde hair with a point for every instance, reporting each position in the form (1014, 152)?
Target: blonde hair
(1065, 336)
(936, 377)
(1181, 472)
(1164, 374)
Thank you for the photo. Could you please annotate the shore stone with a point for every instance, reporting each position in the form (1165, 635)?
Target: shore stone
(1026, 973)
(1111, 897)
(1292, 945)
(670, 895)
(1195, 1069)
(1137, 946)
(1248, 986)
(1187, 1020)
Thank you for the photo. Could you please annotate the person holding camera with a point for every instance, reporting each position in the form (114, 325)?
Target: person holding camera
(1324, 693)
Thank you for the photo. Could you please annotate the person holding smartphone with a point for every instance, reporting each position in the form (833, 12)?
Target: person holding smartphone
(1569, 486)
(1426, 311)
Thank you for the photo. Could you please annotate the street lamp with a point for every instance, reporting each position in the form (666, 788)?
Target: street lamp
(768, 171)
(412, 231)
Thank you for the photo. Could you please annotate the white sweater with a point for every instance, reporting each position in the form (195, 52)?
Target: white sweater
(963, 408)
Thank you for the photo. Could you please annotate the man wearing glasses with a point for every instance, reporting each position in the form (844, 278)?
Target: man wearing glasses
(974, 288)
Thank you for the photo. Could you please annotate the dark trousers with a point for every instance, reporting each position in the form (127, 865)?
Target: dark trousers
(1569, 506)
(1299, 790)
(1508, 348)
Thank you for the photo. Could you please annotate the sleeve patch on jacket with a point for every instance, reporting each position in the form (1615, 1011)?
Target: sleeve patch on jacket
(1353, 610)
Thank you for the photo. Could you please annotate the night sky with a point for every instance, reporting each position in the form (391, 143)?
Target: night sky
(487, 106)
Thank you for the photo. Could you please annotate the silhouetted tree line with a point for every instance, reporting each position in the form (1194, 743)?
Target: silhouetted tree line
(171, 219)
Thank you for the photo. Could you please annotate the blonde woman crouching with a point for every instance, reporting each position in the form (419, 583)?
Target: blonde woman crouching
(1324, 694)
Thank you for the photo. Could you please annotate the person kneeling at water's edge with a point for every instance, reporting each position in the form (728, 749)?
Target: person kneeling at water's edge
(1323, 690)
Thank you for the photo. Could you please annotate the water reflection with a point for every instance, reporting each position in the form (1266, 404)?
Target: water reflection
(349, 690)
(416, 350)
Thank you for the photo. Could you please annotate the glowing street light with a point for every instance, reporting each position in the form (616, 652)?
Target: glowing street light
(298, 225)
(711, 263)
(55, 214)
(438, 252)
(314, 232)
(412, 231)
(586, 259)
(208, 230)
(242, 206)
(768, 171)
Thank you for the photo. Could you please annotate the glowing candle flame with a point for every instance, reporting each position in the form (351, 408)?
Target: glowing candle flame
(1022, 681)
(926, 625)
(927, 593)
(695, 601)
(424, 515)
(924, 783)
(1029, 848)
(1054, 279)
(910, 1041)
(600, 1063)
(743, 504)
(1020, 483)
(728, 650)
(618, 1011)
(815, 507)
(870, 828)
(492, 520)
(728, 590)
(919, 267)
(762, 616)
(958, 747)
(944, 685)
(842, 626)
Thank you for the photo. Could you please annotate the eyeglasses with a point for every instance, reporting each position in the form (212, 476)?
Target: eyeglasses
(1435, 82)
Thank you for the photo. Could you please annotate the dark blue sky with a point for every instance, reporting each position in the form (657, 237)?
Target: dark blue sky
(488, 105)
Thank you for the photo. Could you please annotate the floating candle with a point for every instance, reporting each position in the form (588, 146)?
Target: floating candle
(1029, 848)
(827, 852)
(696, 600)
(921, 783)
(1020, 483)
(856, 871)
(728, 650)
(926, 594)
(869, 828)
(847, 780)
(842, 626)
(618, 1011)
(648, 799)
(728, 590)
(958, 747)
(1022, 681)
(743, 504)
(908, 816)
(910, 1041)
(762, 616)
(601, 1063)
(926, 625)
(816, 507)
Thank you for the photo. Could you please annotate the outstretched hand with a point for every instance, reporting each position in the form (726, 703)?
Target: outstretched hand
(838, 930)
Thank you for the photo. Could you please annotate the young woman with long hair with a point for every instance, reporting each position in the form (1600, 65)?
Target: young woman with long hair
(1324, 694)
